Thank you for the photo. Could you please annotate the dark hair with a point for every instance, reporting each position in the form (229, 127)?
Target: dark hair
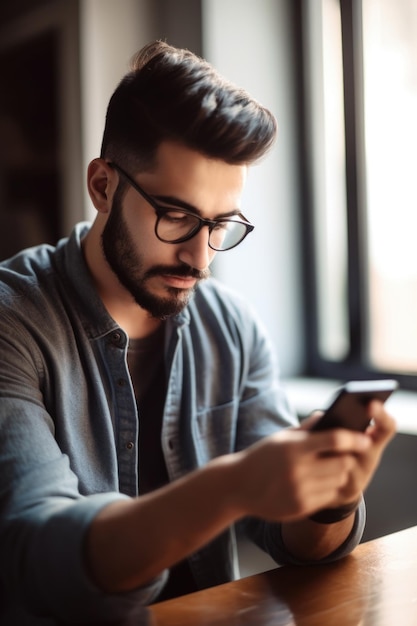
(172, 94)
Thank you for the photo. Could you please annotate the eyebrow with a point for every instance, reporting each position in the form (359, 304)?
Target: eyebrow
(181, 204)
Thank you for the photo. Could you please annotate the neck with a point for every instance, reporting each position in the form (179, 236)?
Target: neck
(135, 326)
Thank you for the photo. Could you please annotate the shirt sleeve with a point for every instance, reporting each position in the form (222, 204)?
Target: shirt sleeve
(269, 538)
(264, 409)
(44, 517)
(43, 524)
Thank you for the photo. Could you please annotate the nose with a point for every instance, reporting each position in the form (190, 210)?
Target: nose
(196, 252)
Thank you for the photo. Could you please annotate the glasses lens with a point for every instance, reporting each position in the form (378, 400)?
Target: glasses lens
(175, 225)
(227, 234)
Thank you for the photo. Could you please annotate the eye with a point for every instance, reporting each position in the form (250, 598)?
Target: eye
(177, 217)
(223, 225)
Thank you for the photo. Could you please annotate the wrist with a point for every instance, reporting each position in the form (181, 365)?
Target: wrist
(334, 515)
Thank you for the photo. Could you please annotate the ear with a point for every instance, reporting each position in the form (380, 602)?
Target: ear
(101, 183)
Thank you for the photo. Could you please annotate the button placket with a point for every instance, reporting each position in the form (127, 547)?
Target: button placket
(125, 413)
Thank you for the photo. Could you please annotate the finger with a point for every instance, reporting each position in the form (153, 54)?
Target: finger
(339, 441)
(336, 468)
(383, 426)
(328, 479)
(311, 420)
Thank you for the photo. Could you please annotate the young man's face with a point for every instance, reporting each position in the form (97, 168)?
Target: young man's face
(162, 276)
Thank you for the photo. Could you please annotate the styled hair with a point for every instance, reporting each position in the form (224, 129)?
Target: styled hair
(172, 94)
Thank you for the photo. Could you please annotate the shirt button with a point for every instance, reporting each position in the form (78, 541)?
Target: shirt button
(130, 445)
(121, 382)
(116, 337)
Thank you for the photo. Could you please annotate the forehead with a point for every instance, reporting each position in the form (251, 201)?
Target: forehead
(190, 175)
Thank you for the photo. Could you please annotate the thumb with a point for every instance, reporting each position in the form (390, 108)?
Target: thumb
(309, 421)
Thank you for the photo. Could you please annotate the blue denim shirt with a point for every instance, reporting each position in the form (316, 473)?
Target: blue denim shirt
(69, 428)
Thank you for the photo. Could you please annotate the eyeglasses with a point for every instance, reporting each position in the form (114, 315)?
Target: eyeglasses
(177, 225)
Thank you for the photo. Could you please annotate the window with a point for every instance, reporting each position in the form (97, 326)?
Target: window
(360, 210)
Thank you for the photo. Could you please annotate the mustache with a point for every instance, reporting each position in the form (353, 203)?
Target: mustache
(184, 271)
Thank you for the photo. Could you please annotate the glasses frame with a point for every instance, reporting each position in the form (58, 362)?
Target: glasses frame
(201, 222)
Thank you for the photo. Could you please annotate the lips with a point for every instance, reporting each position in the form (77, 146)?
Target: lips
(179, 282)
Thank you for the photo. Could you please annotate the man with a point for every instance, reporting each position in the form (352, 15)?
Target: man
(140, 414)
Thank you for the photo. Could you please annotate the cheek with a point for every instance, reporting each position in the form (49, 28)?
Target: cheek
(212, 255)
(148, 247)
(141, 231)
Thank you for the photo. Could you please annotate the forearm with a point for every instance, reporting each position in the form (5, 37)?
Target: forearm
(307, 540)
(131, 542)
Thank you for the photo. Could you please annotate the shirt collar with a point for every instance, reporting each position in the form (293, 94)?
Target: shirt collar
(95, 317)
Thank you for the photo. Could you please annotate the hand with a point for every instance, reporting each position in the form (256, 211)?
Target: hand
(380, 432)
(294, 473)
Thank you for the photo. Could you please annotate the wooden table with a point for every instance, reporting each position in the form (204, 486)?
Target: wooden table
(374, 586)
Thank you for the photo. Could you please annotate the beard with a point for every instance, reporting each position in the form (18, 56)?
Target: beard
(128, 265)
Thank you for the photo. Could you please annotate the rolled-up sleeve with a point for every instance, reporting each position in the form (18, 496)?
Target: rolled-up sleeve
(43, 525)
(269, 538)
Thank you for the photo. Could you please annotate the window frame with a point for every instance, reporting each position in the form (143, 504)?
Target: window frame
(355, 365)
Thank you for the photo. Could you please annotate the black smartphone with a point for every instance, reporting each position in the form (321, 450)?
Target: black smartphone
(348, 409)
